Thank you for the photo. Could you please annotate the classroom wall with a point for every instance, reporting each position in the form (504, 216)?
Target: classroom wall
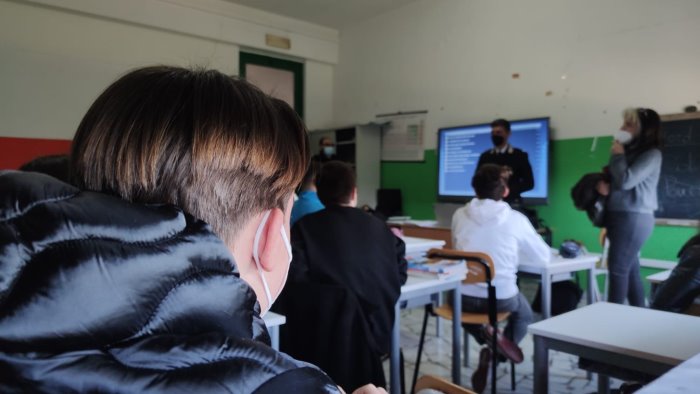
(456, 60)
(56, 61)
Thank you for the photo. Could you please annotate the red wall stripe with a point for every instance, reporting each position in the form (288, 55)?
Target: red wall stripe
(16, 151)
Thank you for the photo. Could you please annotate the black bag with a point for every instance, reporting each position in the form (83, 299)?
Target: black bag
(565, 297)
(587, 198)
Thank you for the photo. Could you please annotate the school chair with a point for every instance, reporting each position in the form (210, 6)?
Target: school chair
(442, 385)
(480, 270)
(602, 267)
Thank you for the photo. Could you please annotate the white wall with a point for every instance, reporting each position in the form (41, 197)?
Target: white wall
(318, 95)
(455, 58)
(54, 62)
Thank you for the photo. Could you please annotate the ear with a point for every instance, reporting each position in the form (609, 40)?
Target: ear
(353, 198)
(506, 192)
(271, 240)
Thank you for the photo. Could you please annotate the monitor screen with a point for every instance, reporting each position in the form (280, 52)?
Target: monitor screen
(459, 149)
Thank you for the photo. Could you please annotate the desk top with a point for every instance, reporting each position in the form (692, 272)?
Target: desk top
(273, 319)
(417, 286)
(559, 264)
(418, 223)
(668, 338)
(659, 276)
(681, 379)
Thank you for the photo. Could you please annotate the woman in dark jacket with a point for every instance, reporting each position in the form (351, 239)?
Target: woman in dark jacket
(152, 274)
(634, 169)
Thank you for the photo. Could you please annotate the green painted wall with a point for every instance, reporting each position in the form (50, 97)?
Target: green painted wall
(570, 159)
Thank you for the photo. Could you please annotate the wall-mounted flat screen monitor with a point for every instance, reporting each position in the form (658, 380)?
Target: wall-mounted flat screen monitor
(459, 149)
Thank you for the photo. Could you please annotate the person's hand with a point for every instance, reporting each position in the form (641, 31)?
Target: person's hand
(617, 148)
(369, 389)
(603, 188)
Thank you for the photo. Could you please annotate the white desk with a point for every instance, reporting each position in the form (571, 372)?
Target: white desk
(638, 339)
(422, 288)
(273, 321)
(656, 279)
(659, 277)
(681, 379)
(560, 265)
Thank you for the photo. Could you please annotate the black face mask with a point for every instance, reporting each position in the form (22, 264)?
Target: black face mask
(498, 140)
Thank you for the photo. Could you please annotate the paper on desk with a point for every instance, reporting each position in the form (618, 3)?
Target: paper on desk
(424, 223)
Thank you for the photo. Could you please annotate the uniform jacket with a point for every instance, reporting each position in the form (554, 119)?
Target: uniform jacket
(522, 179)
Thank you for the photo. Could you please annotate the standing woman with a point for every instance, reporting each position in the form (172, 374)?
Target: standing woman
(635, 165)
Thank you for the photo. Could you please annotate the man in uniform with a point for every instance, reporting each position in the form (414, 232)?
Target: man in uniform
(516, 163)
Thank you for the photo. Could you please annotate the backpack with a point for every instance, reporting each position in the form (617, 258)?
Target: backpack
(565, 297)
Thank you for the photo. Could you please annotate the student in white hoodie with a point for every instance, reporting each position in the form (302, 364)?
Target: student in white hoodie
(487, 224)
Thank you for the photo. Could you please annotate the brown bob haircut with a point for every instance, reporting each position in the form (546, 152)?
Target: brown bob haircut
(214, 145)
(489, 182)
(336, 183)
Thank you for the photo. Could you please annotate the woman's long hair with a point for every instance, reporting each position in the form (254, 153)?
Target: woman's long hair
(649, 124)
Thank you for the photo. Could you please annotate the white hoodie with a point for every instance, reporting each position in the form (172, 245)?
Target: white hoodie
(492, 227)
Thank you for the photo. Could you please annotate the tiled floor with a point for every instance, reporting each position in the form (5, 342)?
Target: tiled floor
(564, 375)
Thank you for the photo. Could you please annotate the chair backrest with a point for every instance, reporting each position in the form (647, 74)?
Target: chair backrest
(605, 244)
(480, 269)
(440, 384)
(479, 265)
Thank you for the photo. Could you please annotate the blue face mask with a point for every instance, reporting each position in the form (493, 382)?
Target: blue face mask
(329, 150)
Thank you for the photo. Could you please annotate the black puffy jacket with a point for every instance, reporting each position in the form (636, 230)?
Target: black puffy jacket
(100, 295)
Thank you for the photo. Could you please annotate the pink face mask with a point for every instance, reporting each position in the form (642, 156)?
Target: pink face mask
(256, 244)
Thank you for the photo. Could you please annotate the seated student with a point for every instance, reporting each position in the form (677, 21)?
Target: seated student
(347, 248)
(677, 293)
(153, 273)
(487, 224)
(308, 201)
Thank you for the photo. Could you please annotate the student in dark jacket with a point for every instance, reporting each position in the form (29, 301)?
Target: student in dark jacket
(153, 274)
(681, 288)
(344, 246)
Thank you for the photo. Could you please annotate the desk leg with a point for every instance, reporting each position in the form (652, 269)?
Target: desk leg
(592, 285)
(546, 295)
(275, 337)
(438, 320)
(541, 361)
(603, 384)
(456, 337)
(394, 385)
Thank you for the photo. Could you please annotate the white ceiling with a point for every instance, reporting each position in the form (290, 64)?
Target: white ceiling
(331, 13)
